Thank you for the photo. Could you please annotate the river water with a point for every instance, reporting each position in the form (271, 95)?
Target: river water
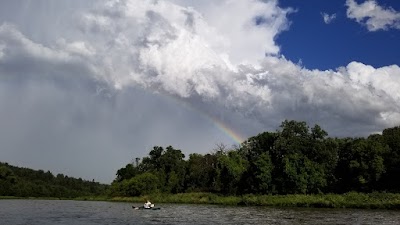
(53, 212)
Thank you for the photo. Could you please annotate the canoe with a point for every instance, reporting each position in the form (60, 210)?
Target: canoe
(141, 207)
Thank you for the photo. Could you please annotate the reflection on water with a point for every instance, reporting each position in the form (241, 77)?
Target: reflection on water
(44, 212)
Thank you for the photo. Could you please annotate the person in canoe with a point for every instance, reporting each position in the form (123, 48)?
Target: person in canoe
(148, 205)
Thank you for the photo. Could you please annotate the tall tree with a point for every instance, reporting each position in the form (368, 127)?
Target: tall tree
(127, 172)
(299, 155)
(258, 176)
(172, 164)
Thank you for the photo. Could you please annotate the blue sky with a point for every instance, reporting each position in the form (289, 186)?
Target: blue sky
(328, 46)
(88, 86)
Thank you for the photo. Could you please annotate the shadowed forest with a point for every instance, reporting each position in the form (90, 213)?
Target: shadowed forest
(25, 182)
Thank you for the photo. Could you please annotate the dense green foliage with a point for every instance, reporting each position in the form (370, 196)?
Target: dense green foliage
(296, 159)
(24, 182)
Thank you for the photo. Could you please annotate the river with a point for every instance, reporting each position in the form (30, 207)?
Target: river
(53, 212)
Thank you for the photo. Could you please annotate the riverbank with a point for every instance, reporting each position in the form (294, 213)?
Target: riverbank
(50, 198)
(348, 200)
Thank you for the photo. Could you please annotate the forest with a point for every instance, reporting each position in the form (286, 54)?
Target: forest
(25, 182)
(296, 159)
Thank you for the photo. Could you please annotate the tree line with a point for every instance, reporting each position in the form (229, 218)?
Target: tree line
(25, 182)
(296, 159)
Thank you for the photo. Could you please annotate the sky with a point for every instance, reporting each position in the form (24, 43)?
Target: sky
(88, 86)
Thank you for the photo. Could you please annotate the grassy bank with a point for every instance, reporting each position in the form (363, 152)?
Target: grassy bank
(9, 197)
(349, 200)
(38, 198)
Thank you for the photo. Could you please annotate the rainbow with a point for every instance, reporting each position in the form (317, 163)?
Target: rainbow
(220, 125)
(229, 132)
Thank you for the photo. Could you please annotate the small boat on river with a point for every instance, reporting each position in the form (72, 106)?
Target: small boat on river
(141, 207)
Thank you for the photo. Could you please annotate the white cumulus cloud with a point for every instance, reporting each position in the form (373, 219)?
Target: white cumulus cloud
(372, 15)
(172, 49)
(167, 48)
